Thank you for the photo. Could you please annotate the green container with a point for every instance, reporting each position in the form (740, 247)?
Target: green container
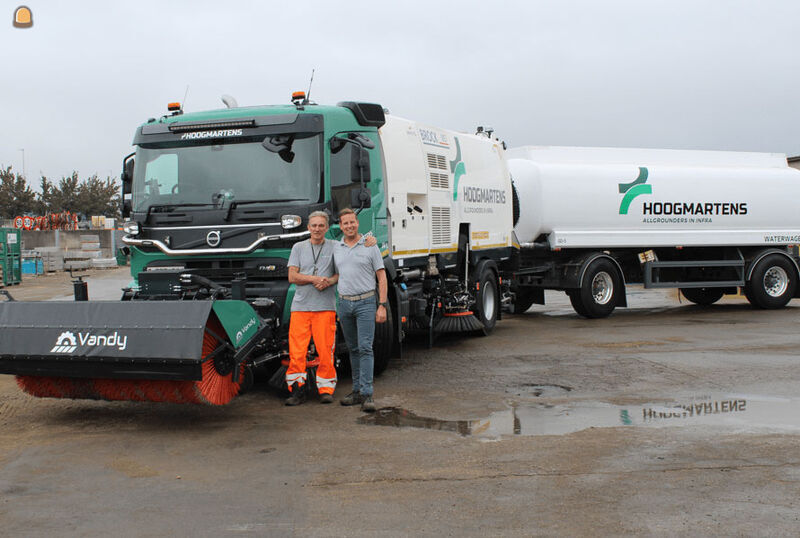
(12, 239)
(11, 267)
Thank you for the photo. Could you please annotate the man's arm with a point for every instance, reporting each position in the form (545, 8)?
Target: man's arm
(380, 314)
(299, 279)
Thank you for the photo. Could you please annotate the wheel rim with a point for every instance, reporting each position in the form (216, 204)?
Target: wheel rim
(602, 287)
(776, 281)
(488, 299)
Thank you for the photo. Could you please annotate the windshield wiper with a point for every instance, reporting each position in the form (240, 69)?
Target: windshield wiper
(172, 206)
(236, 203)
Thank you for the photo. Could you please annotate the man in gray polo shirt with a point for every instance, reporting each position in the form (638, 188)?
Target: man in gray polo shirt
(359, 306)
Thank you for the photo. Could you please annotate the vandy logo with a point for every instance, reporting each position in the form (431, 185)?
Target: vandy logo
(65, 343)
(241, 332)
(634, 189)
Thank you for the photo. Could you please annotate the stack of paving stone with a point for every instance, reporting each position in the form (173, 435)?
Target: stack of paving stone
(91, 245)
(52, 259)
(77, 260)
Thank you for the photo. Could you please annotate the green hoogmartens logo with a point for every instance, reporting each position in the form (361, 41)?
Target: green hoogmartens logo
(633, 189)
(457, 168)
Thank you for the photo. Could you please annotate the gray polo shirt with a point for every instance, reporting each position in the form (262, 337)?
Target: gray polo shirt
(357, 266)
(307, 298)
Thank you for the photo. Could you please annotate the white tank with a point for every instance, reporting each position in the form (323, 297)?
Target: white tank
(610, 197)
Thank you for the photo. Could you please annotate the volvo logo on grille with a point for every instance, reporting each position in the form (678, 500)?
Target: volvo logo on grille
(213, 238)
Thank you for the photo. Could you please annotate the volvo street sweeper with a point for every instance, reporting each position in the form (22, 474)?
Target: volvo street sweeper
(215, 200)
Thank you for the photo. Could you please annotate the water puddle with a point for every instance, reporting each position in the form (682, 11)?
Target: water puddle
(536, 389)
(736, 412)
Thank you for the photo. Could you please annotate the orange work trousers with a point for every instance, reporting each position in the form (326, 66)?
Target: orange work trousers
(322, 327)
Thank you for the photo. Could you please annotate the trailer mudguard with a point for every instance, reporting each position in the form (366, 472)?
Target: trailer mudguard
(105, 339)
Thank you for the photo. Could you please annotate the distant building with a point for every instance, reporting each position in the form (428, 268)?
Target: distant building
(794, 162)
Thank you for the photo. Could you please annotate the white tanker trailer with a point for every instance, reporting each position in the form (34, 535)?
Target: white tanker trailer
(594, 219)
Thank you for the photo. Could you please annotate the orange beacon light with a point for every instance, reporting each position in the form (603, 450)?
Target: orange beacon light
(23, 18)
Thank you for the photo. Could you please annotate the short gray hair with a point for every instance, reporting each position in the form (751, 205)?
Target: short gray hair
(320, 214)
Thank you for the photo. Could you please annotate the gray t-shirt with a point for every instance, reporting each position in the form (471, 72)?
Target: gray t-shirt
(357, 266)
(307, 298)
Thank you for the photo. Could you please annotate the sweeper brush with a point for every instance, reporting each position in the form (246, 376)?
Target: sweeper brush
(186, 351)
(457, 322)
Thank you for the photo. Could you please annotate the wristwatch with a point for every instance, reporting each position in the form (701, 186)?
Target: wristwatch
(385, 305)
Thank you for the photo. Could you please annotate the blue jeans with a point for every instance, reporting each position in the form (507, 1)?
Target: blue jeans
(358, 325)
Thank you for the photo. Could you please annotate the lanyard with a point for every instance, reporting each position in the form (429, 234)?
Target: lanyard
(316, 256)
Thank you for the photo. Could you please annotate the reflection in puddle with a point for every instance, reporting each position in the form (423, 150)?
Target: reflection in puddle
(732, 411)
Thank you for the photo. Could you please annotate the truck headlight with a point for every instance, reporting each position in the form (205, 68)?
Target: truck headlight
(131, 227)
(290, 221)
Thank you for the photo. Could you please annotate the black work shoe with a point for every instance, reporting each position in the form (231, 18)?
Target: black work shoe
(298, 395)
(353, 398)
(325, 398)
(367, 404)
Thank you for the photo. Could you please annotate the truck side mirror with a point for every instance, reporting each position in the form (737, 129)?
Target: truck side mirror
(127, 174)
(126, 209)
(359, 166)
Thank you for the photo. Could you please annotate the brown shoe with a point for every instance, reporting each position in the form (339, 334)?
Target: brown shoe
(298, 395)
(325, 398)
(354, 398)
(368, 404)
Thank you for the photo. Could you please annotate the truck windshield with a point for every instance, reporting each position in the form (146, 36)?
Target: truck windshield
(218, 175)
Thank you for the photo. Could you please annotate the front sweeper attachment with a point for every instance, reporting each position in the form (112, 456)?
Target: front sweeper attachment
(156, 351)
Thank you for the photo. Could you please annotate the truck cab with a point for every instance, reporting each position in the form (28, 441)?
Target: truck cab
(225, 194)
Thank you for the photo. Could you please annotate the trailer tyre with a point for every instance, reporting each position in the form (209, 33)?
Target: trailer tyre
(702, 296)
(488, 304)
(772, 283)
(598, 295)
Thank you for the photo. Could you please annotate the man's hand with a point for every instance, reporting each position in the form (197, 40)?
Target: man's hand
(380, 314)
(370, 241)
(322, 282)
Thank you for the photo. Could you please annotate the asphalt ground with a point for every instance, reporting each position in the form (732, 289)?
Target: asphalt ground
(665, 419)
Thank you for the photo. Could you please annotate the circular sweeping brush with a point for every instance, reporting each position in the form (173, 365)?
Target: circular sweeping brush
(457, 322)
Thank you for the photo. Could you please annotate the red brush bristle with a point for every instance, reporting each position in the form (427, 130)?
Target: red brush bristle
(58, 387)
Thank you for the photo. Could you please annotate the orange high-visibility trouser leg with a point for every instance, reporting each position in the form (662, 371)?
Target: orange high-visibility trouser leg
(323, 328)
(299, 336)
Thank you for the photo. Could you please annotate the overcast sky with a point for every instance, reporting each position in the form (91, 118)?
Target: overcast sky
(669, 74)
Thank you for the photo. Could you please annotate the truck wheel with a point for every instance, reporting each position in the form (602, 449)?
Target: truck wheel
(488, 305)
(772, 283)
(383, 343)
(702, 296)
(577, 304)
(598, 295)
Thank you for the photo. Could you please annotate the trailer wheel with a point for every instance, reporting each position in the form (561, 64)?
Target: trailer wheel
(702, 296)
(772, 283)
(488, 301)
(598, 295)
(383, 343)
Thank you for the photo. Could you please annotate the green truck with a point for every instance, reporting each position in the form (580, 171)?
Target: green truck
(214, 202)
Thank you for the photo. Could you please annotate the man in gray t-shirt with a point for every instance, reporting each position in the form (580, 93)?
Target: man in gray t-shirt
(312, 271)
